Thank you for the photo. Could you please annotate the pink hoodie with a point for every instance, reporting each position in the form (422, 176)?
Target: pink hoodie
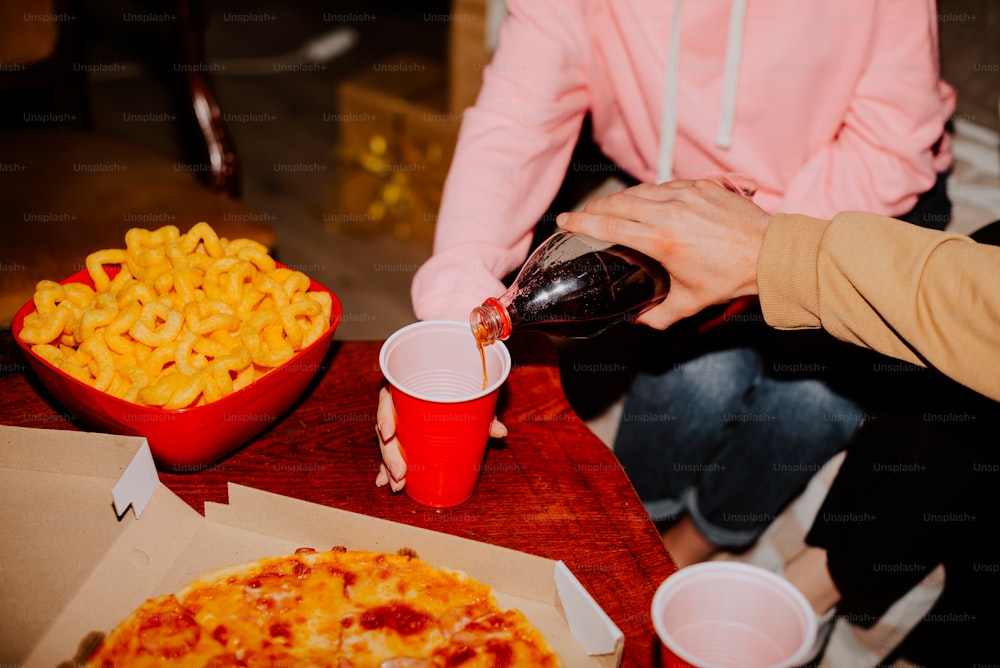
(830, 105)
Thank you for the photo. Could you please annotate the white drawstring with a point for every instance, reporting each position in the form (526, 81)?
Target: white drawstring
(731, 75)
(730, 85)
(668, 116)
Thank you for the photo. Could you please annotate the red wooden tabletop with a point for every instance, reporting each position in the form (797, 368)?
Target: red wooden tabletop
(550, 487)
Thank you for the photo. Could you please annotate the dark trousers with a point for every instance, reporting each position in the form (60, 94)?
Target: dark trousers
(915, 492)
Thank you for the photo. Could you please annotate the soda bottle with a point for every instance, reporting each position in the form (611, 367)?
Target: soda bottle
(576, 286)
(573, 286)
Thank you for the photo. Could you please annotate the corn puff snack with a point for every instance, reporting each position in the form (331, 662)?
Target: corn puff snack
(188, 319)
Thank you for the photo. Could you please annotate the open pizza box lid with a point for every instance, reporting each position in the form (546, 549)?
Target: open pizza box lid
(76, 560)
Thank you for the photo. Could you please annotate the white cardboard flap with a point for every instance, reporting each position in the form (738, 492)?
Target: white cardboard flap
(590, 625)
(136, 486)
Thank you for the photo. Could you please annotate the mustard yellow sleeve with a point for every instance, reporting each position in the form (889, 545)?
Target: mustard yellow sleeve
(786, 272)
(919, 295)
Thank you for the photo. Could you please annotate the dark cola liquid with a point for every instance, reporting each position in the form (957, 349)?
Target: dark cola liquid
(580, 296)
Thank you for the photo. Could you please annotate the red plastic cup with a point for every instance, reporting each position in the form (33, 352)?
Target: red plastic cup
(443, 412)
(724, 614)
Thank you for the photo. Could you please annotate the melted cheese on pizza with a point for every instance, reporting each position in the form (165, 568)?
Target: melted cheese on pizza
(344, 609)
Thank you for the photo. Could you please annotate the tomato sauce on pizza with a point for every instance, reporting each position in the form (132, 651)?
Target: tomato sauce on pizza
(339, 608)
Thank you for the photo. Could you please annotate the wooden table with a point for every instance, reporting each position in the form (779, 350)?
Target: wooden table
(550, 487)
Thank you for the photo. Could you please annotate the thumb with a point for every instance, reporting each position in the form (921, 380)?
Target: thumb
(667, 314)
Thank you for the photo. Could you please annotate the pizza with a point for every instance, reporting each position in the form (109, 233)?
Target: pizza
(339, 608)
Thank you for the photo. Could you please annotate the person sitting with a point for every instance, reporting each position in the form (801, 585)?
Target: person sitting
(670, 94)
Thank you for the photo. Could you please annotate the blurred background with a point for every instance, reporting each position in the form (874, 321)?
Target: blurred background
(344, 114)
(281, 102)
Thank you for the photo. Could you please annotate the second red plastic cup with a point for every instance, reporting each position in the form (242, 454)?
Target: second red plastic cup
(724, 614)
(443, 411)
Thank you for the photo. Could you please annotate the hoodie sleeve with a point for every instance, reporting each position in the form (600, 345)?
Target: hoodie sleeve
(512, 154)
(885, 154)
(923, 296)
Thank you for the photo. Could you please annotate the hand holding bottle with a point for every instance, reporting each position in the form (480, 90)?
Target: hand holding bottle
(392, 468)
(705, 232)
(573, 285)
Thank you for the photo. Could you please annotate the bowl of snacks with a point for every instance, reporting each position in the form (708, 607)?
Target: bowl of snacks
(195, 342)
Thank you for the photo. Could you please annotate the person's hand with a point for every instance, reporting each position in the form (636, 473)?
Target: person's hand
(707, 237)
(392, 468)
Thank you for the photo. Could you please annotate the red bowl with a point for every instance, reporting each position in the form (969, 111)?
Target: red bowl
(186, 439)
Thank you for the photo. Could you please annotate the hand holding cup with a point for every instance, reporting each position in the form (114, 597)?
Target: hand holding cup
(438, 412)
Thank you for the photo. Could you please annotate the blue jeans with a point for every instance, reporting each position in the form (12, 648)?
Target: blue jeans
(730, 437)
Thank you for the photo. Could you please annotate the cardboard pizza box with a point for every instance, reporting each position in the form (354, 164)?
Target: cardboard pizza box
(90, 532)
